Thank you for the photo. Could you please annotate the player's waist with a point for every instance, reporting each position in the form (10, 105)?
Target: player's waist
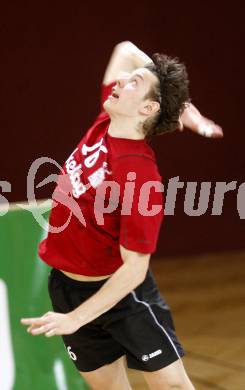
(85, 278)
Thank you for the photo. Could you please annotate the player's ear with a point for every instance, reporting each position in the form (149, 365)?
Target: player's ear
(150, 107)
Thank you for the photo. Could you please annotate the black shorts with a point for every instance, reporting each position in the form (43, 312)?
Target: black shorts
(140, 326)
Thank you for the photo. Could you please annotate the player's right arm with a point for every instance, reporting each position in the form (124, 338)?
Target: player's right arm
(125, 58)
(126, 278)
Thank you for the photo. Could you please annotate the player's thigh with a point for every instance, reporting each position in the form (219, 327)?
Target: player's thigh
(109, 377)
(170, 377)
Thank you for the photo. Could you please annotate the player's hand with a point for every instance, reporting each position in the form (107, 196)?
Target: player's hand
(192, 119)
(52, 324)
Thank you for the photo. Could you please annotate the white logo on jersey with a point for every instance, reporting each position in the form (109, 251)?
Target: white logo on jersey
(145, 358)
(74, 172)
(91, 160)
(98, 176)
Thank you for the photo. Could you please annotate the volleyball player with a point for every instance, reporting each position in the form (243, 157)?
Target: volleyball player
(106, 304)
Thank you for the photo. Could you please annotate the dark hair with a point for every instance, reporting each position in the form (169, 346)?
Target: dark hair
(171, 92)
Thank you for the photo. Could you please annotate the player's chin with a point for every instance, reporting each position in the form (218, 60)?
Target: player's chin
(106, 106)
(109, 107)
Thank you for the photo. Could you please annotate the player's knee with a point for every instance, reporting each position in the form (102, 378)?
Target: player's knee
(169, 384)
(95, 383)
(106, 381)
(178, 384)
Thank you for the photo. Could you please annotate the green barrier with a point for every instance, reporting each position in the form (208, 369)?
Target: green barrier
(28, 362)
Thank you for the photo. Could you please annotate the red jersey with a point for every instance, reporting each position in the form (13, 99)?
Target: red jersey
(92, 248)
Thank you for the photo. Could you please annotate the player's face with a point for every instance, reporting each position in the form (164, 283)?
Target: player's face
(128, 96)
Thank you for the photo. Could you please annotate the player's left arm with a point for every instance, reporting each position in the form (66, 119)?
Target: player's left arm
(192, 119)
(121, 283)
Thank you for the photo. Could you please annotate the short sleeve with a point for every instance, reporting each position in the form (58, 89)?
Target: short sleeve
(141, 202)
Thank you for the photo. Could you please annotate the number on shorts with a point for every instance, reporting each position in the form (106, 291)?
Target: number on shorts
(71, 354)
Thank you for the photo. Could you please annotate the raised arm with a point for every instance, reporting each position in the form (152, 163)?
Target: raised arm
(193, 120)
(126, 57)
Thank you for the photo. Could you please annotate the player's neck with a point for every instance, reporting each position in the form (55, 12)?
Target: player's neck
(125, 128)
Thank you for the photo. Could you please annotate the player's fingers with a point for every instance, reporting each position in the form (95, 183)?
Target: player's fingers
(32, 321)
(42, 329)
(217, 132)
(50, 333)
(48, 314)
(30, 328)
(209, 129)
